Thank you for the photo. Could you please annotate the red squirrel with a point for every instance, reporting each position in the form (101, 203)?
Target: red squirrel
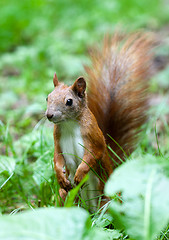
(114, 107)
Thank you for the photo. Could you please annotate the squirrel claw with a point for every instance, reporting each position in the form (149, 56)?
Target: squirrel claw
(69, 187)
(77, 179)
(66, 185)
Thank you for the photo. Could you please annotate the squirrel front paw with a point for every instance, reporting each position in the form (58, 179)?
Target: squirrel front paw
(64, 183)
(78, 177)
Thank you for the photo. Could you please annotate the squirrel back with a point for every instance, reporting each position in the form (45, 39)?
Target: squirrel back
(117, 89)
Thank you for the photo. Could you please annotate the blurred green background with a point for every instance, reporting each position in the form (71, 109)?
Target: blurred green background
(38, 38)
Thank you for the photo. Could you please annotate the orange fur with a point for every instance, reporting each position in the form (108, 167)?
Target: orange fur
(117, 88)
(116, 104)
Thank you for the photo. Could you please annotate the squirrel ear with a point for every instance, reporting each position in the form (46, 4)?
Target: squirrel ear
(55, 80)
(79, 87)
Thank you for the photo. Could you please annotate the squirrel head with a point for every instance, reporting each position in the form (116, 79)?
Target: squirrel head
(66, 102)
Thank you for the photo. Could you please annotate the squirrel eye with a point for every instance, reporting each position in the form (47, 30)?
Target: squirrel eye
(46, 99)
(69, 102)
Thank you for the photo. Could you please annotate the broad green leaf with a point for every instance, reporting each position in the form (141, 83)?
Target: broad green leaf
(113, 234)
(42, 168)
(143, 185)
(7, 166)
(101, 234)
(50, 224)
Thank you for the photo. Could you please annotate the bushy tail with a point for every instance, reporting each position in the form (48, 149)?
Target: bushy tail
(117, 88)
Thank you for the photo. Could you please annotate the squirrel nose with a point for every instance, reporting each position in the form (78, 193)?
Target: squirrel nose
(49, 115)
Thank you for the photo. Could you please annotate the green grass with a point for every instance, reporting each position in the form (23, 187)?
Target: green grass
(38, 38)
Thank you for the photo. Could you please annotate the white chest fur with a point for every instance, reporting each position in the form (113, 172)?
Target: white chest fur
(71, 144)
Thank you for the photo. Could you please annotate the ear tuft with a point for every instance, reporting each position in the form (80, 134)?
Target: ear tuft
(79, 87)
(55, 80)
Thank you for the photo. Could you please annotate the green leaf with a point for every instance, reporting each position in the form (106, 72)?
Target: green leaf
(143, 184)
(50, 224)
(42, 168)
(101, 234)
(113, 234)
(7, 166)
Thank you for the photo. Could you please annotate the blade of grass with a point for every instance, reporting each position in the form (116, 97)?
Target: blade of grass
(117, 145)
(73, 193)
(159, 151)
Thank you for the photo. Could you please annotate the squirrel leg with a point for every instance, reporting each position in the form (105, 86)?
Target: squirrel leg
(87, 163)
(62, 180)
(60, 173)
(59, 163)
(62, 196)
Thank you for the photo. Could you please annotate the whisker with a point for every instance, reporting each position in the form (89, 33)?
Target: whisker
(40, 122)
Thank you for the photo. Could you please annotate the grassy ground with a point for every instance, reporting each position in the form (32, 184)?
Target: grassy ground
(38, 38)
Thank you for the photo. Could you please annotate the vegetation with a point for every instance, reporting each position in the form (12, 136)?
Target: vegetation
(38, 38)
